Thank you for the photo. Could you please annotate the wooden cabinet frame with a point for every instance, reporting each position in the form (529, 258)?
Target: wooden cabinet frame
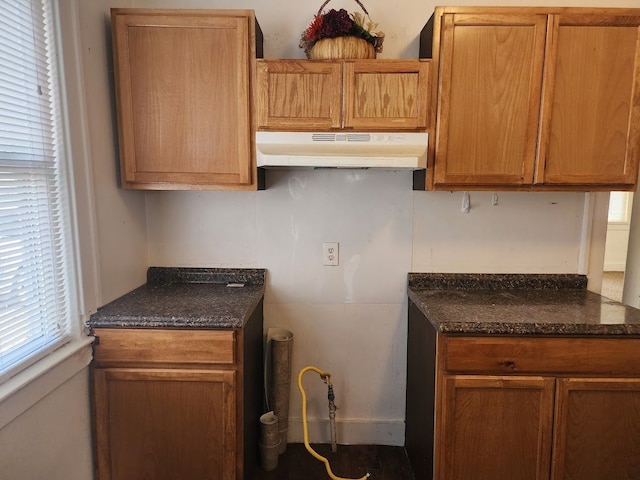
(588, 392)
(359, 95)
(220, 367)
(575, 401)
(572, 135)
(184, 94)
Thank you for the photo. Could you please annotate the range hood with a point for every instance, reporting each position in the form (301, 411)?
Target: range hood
(342, 150)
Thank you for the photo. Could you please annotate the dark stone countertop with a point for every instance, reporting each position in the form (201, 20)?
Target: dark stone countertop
(186, 298)
(513, 304)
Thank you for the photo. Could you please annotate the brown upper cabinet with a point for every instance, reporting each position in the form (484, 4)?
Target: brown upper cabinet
(535, 98)
(306, 95)
(183, 89)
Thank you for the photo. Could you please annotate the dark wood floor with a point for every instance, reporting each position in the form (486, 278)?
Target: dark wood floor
(351, 461)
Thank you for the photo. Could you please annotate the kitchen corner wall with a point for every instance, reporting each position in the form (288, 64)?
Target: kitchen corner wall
(351, 319)
(119, 215)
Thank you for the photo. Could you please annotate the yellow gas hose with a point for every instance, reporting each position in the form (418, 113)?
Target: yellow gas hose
(326, 377)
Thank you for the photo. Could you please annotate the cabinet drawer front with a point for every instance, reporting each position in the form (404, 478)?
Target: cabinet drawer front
(164, 346)
(607, 356)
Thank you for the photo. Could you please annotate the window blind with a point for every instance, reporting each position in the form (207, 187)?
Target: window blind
(34, 220)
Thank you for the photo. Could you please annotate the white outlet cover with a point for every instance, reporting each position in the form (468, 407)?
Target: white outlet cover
(331, 254)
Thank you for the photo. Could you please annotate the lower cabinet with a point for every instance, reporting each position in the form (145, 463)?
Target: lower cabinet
(177, 404)
(494, 427)
(165, 423)
(597, 429)
(521, 407)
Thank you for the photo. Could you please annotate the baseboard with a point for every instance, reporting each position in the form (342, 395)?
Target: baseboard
(350, 432)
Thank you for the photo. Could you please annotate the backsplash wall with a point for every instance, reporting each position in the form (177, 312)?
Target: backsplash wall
(350, 319)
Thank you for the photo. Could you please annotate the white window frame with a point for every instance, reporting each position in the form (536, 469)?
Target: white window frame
(35, 382)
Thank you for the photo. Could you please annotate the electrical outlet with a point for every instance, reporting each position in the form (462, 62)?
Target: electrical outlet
(330, 253)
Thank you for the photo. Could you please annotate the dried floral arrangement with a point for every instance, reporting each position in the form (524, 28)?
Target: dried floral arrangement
(340, 23)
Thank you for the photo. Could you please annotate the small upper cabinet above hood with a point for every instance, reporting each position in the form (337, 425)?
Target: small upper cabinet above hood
(330, 95)
(342, 113)
(342, 150)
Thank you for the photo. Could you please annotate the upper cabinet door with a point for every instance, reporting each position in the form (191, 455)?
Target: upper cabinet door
(590, 131)
(490, 82)
(184, 95)
(322, 95)
(386, 94)
(299, 95)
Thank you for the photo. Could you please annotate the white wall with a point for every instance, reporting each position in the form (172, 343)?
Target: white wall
(617, 243)
(631, 291)
(120, 214)
(52, 438)
(615, 257)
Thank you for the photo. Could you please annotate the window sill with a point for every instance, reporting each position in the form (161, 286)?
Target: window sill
(30, 386)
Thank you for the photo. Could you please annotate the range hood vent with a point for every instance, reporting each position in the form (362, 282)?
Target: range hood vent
(342, 150)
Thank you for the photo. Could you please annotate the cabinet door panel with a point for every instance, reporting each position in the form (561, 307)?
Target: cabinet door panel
(299, 95)
(183, 99)
(490, 84)
(597, 429)
(591, 108)
(165, 424)
(386, 94)
(494, 427)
